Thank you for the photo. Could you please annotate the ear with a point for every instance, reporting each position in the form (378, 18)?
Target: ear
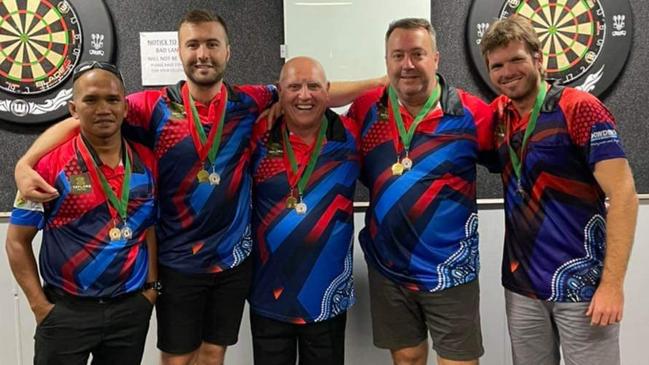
(125, 108)
(72, 108)
(227, 58)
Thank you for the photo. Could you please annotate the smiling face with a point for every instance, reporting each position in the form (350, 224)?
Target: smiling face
(514, 71)
(303, 92)
(204, 52)
(411, 62)
(98, 103)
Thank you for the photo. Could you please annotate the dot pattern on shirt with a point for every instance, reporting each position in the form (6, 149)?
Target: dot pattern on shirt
(74, 205)
(172, 133)
(585, 115)
(269, 166)
(378, 134)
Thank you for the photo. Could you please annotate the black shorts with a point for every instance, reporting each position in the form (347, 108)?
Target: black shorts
(401, 318)
(278, 343)
(196, 308)
(113, 331)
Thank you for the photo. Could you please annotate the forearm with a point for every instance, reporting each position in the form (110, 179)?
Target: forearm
(152, 248)
(620, 228)
(24, 269)
(344, 92)
(48, 140)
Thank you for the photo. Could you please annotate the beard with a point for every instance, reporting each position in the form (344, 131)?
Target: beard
(207, 80)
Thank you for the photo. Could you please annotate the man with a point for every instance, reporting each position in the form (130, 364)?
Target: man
(97, 259)
(199, 130)
(565, 254)
(421, 139)
(304, 170)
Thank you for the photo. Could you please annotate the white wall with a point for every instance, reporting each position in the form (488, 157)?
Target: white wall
(17, 323)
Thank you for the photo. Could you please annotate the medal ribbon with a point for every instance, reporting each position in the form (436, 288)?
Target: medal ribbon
(207, 146)
(121, 204)
(406, 136)
(305, 173)
(517, 162)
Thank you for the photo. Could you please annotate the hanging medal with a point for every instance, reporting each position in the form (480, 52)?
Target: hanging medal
(299, 176)
(406, 163)
(116, 206)
(515, 157)
(207, 146)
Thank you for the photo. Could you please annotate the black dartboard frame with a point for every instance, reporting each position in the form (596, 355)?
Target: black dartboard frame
(586, 43)
(41, 41)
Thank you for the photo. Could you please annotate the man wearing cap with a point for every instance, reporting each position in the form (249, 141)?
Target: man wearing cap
(98, 254)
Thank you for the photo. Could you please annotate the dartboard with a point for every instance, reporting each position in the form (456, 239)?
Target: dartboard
(41, 42)
(585, 42)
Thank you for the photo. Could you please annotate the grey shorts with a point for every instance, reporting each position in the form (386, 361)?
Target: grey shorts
(401, 318)
(538, 329)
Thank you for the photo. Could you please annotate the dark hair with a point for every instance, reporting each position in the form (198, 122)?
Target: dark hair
(413, 23)
(199, 16)
(513, 28)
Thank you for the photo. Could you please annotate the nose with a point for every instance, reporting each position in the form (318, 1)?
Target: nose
(201, 52)
(304, 92)
(407, 62)
(103, 107)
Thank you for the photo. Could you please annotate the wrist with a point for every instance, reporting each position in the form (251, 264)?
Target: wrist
(154, 285)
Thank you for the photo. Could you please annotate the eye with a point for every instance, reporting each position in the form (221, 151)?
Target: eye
(213, 44)
(397, 56)
(314, 86)
(294, 87)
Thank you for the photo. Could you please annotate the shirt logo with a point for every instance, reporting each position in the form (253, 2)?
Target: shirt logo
(80, 184)
(603, 136)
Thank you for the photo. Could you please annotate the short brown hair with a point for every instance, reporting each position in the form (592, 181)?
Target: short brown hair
(413, 23)
(513, 28)
(198, 16)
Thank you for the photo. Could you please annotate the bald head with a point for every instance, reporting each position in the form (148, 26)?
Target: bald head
(302, 63)
(303, 93)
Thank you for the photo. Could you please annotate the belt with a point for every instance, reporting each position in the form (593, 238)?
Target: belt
(52, 291)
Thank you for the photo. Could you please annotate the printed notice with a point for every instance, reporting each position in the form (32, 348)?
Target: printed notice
(159, 58)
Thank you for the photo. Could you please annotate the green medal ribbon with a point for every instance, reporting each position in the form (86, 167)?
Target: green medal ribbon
(303, 180)
(517, 162)
(406, 137)
(213, 141)
(121, 204)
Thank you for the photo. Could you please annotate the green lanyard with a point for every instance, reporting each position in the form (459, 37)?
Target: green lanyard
(301, 184)
(517, 162)
(121, 204)
(214, 141)
(406, 137)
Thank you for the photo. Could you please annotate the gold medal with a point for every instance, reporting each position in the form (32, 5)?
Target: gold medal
(115, 234)
(202, 176)
(407, 163)
(215, 178)
(300, 208)
(397, 169)
(291, 202)
(127, 232)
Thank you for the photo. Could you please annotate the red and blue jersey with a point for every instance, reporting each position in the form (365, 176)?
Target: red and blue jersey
(555, 226)
(202, 228)
(421, 229)
(303, 263)
(77, 254)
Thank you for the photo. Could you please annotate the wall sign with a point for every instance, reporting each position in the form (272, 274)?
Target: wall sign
(585, 42)
(41, 42)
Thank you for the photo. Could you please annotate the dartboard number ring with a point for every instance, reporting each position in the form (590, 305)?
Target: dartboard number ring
(41, 41)
(585, 43)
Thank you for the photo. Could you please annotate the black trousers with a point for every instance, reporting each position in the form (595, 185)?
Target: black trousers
(112, 331)
(280, 343)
